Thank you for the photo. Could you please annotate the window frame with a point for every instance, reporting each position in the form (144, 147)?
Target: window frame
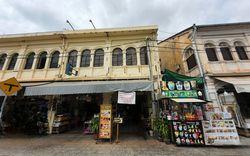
(190, 59)
(42, 58)
(29, 60)
(117, 57)
(131, 57)
(240, 50)
(226, 52)
(13, 61)
(2, 56)
(73, 58)
(54, 62)
(211, 52)
(99, 58)
(144, 56)
(85, 58)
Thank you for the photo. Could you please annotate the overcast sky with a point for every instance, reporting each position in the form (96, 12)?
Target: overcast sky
(172, 16)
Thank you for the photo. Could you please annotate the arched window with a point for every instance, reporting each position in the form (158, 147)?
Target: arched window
(143, 56)
(225, 51)
(72, 58)
(210, 51)
(54, 60)
(29, 61)
(190, 58)
(13, 61)
(117, 57)
(239, 47)
(2, 60)
(99, 58)
(41, 60)
(131, 56)
(85, 59)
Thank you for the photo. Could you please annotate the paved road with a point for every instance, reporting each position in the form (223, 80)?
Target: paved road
(71, 144)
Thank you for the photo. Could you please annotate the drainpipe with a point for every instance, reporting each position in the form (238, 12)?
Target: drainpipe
(197, 58)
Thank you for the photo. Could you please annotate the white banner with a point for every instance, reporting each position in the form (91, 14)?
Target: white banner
(126, 98)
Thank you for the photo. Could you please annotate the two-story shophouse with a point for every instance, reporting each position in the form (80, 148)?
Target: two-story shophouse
(220, 54)
(104, 62)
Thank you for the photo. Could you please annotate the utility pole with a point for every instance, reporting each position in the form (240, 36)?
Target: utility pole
(197, 58)
(151, 76)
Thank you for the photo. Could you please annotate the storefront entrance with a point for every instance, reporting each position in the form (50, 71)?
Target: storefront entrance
(134, 117)
(63, 113)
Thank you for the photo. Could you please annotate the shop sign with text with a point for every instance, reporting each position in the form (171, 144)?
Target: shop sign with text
(179, 89)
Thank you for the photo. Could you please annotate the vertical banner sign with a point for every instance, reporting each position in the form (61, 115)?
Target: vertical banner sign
(126, 98)
(105, 121)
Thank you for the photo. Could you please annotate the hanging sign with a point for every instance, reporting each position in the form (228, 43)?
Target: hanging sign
(126, 98)
(118, 120)
(179, 89)
(105, 121)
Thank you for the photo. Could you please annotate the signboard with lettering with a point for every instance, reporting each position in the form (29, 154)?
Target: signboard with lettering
(105, 121)
(10, 86)
(220, 132)
(179, 89)
(126, 97)
(118, 120)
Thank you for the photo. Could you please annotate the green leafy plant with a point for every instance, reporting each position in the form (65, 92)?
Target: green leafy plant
(94, 126)
(161, 127)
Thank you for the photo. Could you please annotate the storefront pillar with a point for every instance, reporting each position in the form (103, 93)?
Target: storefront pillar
(107, 98)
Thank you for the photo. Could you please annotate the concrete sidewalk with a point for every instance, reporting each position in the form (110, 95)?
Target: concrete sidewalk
(70, 144)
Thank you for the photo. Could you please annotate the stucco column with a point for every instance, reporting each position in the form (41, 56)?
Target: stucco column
(123, 57)
(107, 57)
(92, 54)
(34, 62)
(78, 60)
(48, 58)
(138, 56)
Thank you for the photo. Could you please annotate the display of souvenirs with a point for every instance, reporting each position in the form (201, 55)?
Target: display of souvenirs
(220, 132)
(179, 85)
(178, 89)
(105, 121)
(171, 85)
(187, 85)
(188, 132)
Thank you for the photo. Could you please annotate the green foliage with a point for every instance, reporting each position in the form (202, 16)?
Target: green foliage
(94, 126)
(161, 127)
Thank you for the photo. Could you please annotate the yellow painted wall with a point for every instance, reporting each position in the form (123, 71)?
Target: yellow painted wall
(64, 42)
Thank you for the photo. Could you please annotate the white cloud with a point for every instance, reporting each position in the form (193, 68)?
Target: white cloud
(172, 15)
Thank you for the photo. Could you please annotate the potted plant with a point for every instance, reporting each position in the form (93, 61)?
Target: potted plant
(161, 129)
(94, 126)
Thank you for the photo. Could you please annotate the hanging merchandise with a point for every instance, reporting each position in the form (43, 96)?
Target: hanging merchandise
(188, 133)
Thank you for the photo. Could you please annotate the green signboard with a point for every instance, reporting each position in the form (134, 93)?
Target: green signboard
(180, 94)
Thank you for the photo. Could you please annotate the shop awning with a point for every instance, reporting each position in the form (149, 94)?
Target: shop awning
(183, 100)
(172, 76)
(81, 87)
(241, 84)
